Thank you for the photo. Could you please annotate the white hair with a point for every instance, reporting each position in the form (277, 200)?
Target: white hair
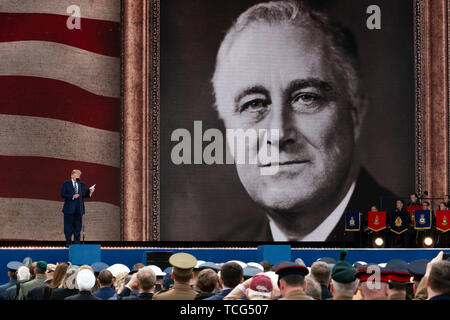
(23, 273)
(345, 289)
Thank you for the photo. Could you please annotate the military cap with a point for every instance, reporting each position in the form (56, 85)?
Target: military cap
(197, 265)
(249, 272)
(42, 265)
(167, 280)
(328, 260)
(418, 268)
(118, 268)
(284, 268)
(255, 265)
(99, 266)
(343, 271)
(157, 270)
(359, 264)
(209, 265)
(398, 271)
(365, 272)
(14, 265)
(242, 264)
(182, 263)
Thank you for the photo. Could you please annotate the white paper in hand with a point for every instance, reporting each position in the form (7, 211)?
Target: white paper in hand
(92, 187)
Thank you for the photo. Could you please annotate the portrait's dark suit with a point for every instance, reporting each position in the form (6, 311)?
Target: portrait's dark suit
(367, 192)
(73, 210)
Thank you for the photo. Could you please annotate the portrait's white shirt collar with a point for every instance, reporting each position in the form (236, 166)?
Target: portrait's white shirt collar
(322, 232)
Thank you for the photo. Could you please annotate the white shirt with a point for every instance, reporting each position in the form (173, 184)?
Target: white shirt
(322, 232)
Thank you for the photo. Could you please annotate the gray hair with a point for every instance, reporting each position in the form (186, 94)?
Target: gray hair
(345, 289)
(23, 273)
(343, 50)
(70, 279)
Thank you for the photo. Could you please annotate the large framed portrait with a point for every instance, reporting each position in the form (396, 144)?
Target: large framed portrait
(337, 105)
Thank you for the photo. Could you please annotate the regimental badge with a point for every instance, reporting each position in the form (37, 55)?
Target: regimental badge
(376, 221)
(422, 219)
(398, 222)
(352, 222)
(444, 221)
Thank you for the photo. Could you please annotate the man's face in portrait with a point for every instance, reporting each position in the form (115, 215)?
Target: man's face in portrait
(281, 77)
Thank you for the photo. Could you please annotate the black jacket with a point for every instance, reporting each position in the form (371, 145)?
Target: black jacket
(61, 294)
(367, 191)
(83, 295)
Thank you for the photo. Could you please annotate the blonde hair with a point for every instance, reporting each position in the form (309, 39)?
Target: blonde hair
(76, 171)
(120, 279)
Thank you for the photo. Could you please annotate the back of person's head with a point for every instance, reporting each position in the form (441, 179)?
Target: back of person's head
(23, 273)
(231, 274)
(33, 269)
(86, 267)
(85, 280)
(138, 266)
(105, 277)
(41, 268)
(439, 280)
(321, 272)
(146, 278)
(313, 288)
(70, 279)
(261, 288)
(207, 280)
(293, 280)
(266, 265)
(371, 292)
(344, 289)
(120, 280)
(59, 274)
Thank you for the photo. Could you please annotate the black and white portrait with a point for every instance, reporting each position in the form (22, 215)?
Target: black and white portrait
(332, 80)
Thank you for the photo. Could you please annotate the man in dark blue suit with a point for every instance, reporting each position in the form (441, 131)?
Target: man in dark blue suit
(74, 191)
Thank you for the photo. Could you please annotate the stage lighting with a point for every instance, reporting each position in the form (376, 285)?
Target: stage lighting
(379, 242)
(428, 241)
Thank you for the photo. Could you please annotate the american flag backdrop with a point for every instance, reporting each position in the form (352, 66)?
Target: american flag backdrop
(59, 110)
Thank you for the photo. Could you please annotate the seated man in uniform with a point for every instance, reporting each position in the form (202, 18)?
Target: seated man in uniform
(183, 266)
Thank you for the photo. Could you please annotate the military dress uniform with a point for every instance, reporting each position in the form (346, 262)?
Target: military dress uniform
(285, 268)
(183, 264)
(12, 266)
(398, 275)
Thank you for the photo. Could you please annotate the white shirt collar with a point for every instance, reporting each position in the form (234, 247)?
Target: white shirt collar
(322, 232)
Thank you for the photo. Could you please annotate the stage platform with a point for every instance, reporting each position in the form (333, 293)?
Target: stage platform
(130, 253)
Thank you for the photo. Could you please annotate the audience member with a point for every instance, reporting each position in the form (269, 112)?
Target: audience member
(231, 274)
(437, 278)
(12, 266)
(41, 268)
(344, 284)
(291, 281)
(313, 288)
(321, 272)
(266, 265)
(207, 283)
(85, 281)
(144, 280)
(38, 292)
(260, 288)
(399, 279)
(371, 286)
(23, 275)
(105, 283)
(183, 265)
(68, 286)
(57, 279)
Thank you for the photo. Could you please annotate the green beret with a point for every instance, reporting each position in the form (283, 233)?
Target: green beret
(343, 272)
(42, 265)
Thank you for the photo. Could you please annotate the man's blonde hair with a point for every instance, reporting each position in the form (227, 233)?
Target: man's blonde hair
(76, 171)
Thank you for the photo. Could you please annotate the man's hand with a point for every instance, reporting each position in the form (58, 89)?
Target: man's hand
(92, 191)
(435, 260)
(133, 283)
(76, 196)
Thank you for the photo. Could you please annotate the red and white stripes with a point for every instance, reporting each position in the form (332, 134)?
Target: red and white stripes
(59, 110)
